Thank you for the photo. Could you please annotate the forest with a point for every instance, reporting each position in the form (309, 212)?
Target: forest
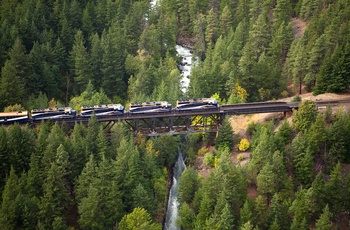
(73, 53)
(125, 50)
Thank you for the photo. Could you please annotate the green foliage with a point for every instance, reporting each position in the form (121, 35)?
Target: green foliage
(14, 108)
(225, 136)
(186, 217)
(305, 115)
(209, 159)
(89, 98)
(138, 219)
(324, 222)
(188, 185)
(296, 98)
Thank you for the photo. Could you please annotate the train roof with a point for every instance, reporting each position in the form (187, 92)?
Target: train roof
(151, 103)
(48, 110)
(14, 114)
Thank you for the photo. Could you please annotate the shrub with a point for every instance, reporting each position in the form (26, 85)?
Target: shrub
(251, 128)
(202, 151)
(240, 157)
(209, 159)
(296, 98)
(244, 144)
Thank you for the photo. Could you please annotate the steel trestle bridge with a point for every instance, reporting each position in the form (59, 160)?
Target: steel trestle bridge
(189, 121)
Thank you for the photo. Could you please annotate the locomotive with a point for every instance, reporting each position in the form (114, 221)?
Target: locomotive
(150, 107)
(197, 104)
(102, 110)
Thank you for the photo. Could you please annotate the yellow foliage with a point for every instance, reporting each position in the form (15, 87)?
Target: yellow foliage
(202, 151)
(52, 103)
(14, 108)
(244, 144)
(240, 92)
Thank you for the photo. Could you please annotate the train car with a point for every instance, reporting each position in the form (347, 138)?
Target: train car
(102, 110)
(53, 113)
(197, 104)
(149, 107)
(12, 117)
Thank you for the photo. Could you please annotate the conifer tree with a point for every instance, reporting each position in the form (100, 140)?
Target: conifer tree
(305, 116)
(188, 185)
(81, 66)
(139, 218)
(8, 206)
(186, 217)
(84, 180)
(225, 136)
(324, 222)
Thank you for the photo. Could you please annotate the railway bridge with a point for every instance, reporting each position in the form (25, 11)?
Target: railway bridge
(190, 121)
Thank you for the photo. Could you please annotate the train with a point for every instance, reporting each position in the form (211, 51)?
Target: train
(108, 110)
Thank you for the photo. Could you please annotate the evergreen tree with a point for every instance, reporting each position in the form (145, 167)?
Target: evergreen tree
(188, 185)
(142, 199)
(81, 62)
(226, 221)
(114, 78)
(304, 167)
(225, 21)
(334, 190)
(225, 136)
(186, 217)
(138, 219)
(211, 32)
(8, 206)
(305, 116)
(5, 163)
(324, 222)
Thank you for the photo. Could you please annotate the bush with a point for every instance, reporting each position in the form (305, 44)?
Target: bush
(209, 159)
(244, 144)
(202, 151)
(251, 128)
(240, 157)
(296, 98)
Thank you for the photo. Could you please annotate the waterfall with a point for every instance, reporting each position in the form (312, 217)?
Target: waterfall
(172, 211)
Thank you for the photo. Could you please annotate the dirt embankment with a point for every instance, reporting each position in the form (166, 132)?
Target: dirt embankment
(240, 124)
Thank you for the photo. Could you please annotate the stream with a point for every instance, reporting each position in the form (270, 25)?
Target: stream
(173, 204)
(184, 66)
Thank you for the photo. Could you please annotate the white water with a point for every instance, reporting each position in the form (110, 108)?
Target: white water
(173, 204)
(185, 66)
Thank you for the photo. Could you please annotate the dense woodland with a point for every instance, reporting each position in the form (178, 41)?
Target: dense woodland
(126, 49)
(54, 177)
(75, 53)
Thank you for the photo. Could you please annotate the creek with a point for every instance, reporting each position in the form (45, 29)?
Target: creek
(173, 204)
(185, 65)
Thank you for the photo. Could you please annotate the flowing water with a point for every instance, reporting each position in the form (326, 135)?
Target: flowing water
(173, 204)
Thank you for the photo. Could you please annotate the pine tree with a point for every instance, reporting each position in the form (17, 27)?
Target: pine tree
(81, 66)
(304, 167)
(139, 218)
(188, 185)
(186, 217)
(113, 45)
(84, 180)
(246, 212)
(324, 222)
(211, 32)
(266, 181)
(226, 221)
(305, 116)
(334, 190)
(225, 21)
(225, 136)
(8, 205)
(5, 163)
